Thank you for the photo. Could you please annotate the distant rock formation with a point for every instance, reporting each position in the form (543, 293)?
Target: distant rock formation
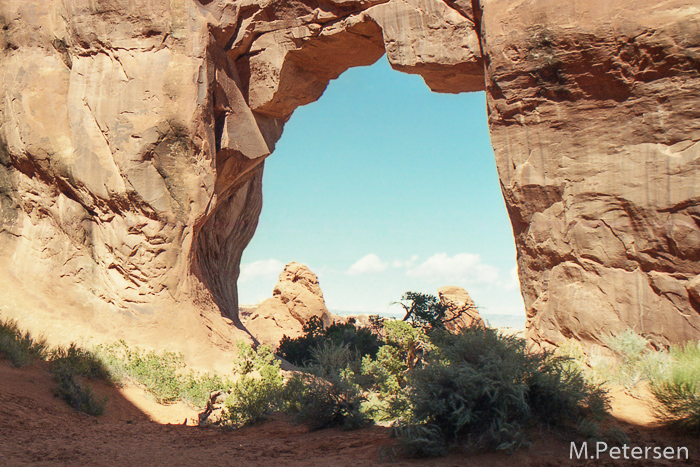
(297, 297)
(461, 309)
(133, 135)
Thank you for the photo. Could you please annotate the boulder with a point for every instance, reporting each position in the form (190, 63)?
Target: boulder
(296, 299)
(462, 312)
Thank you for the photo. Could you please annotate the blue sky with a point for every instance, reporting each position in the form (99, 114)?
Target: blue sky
(382, 187)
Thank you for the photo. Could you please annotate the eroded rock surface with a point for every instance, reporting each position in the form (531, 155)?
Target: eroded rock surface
(595, 123)
(133, 135)
(296, 299)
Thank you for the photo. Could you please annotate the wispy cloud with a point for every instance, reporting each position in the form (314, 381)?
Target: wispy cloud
(264, 268)
(368, 264)
(460, 268)
(397, 263)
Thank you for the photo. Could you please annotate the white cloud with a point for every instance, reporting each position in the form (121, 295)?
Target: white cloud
(405, 264)
(368, 264)
(264, 268)
(458, 269)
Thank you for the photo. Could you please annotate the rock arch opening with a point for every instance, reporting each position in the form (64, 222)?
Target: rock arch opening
(382, 186)
(547, 94)
(261, 74)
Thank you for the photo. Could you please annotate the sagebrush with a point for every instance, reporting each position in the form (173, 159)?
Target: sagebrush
(71, 367)
(481, 390)
(20, 347)
(164, 375)
(258, 392)
(677, 389)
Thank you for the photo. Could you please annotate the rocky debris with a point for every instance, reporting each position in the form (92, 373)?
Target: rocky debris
(245, 312)
(462, 312)
(296, 298)
(132, 142)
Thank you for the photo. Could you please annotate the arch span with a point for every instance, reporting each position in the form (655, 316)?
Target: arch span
(269, 71)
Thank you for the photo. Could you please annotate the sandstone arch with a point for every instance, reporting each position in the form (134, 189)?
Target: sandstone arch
(134, 134)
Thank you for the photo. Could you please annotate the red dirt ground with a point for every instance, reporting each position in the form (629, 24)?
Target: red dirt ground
(37, 429)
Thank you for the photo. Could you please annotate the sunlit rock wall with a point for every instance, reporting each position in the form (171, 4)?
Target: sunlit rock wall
(133, 135)
(594, 110)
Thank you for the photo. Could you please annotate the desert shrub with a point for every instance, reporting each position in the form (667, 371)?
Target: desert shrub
(78, 394)
(19, 347)
(403, 349)
(162, 375)
(77, 361)
(677, 389)
(558, 395)
(325, 394)
(481, 390)
(574, 356)
(157, 373)
(323, 403)
(297, 351)
(674, 375)
(360, 340)
(423, 310)
(70, 367)
(633, 359)
(632, 362)
(259, 391)
(376, 325)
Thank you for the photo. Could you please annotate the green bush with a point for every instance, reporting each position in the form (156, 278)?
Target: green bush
(633, 360)
(77, 361)
(677, 389)
(162, 375)
(325, 394)
(361, 341)
(78, 395)
(423, 310)
(19, 347)
(403, 349)
(674, 375)
(69, 367)
(481, 390)
(258, 393)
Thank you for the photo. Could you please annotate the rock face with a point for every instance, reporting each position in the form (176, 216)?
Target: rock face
(296, 299)
(133, 135)
(461, 309)
(595, 123)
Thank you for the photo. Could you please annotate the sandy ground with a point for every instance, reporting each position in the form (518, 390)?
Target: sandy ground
(37, 429)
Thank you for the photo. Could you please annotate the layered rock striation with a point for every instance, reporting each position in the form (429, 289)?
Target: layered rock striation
(133, 136)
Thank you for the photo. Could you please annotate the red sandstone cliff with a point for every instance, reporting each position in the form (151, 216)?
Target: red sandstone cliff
(133, 135)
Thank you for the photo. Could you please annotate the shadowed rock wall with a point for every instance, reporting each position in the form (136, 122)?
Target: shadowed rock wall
(133, 135)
